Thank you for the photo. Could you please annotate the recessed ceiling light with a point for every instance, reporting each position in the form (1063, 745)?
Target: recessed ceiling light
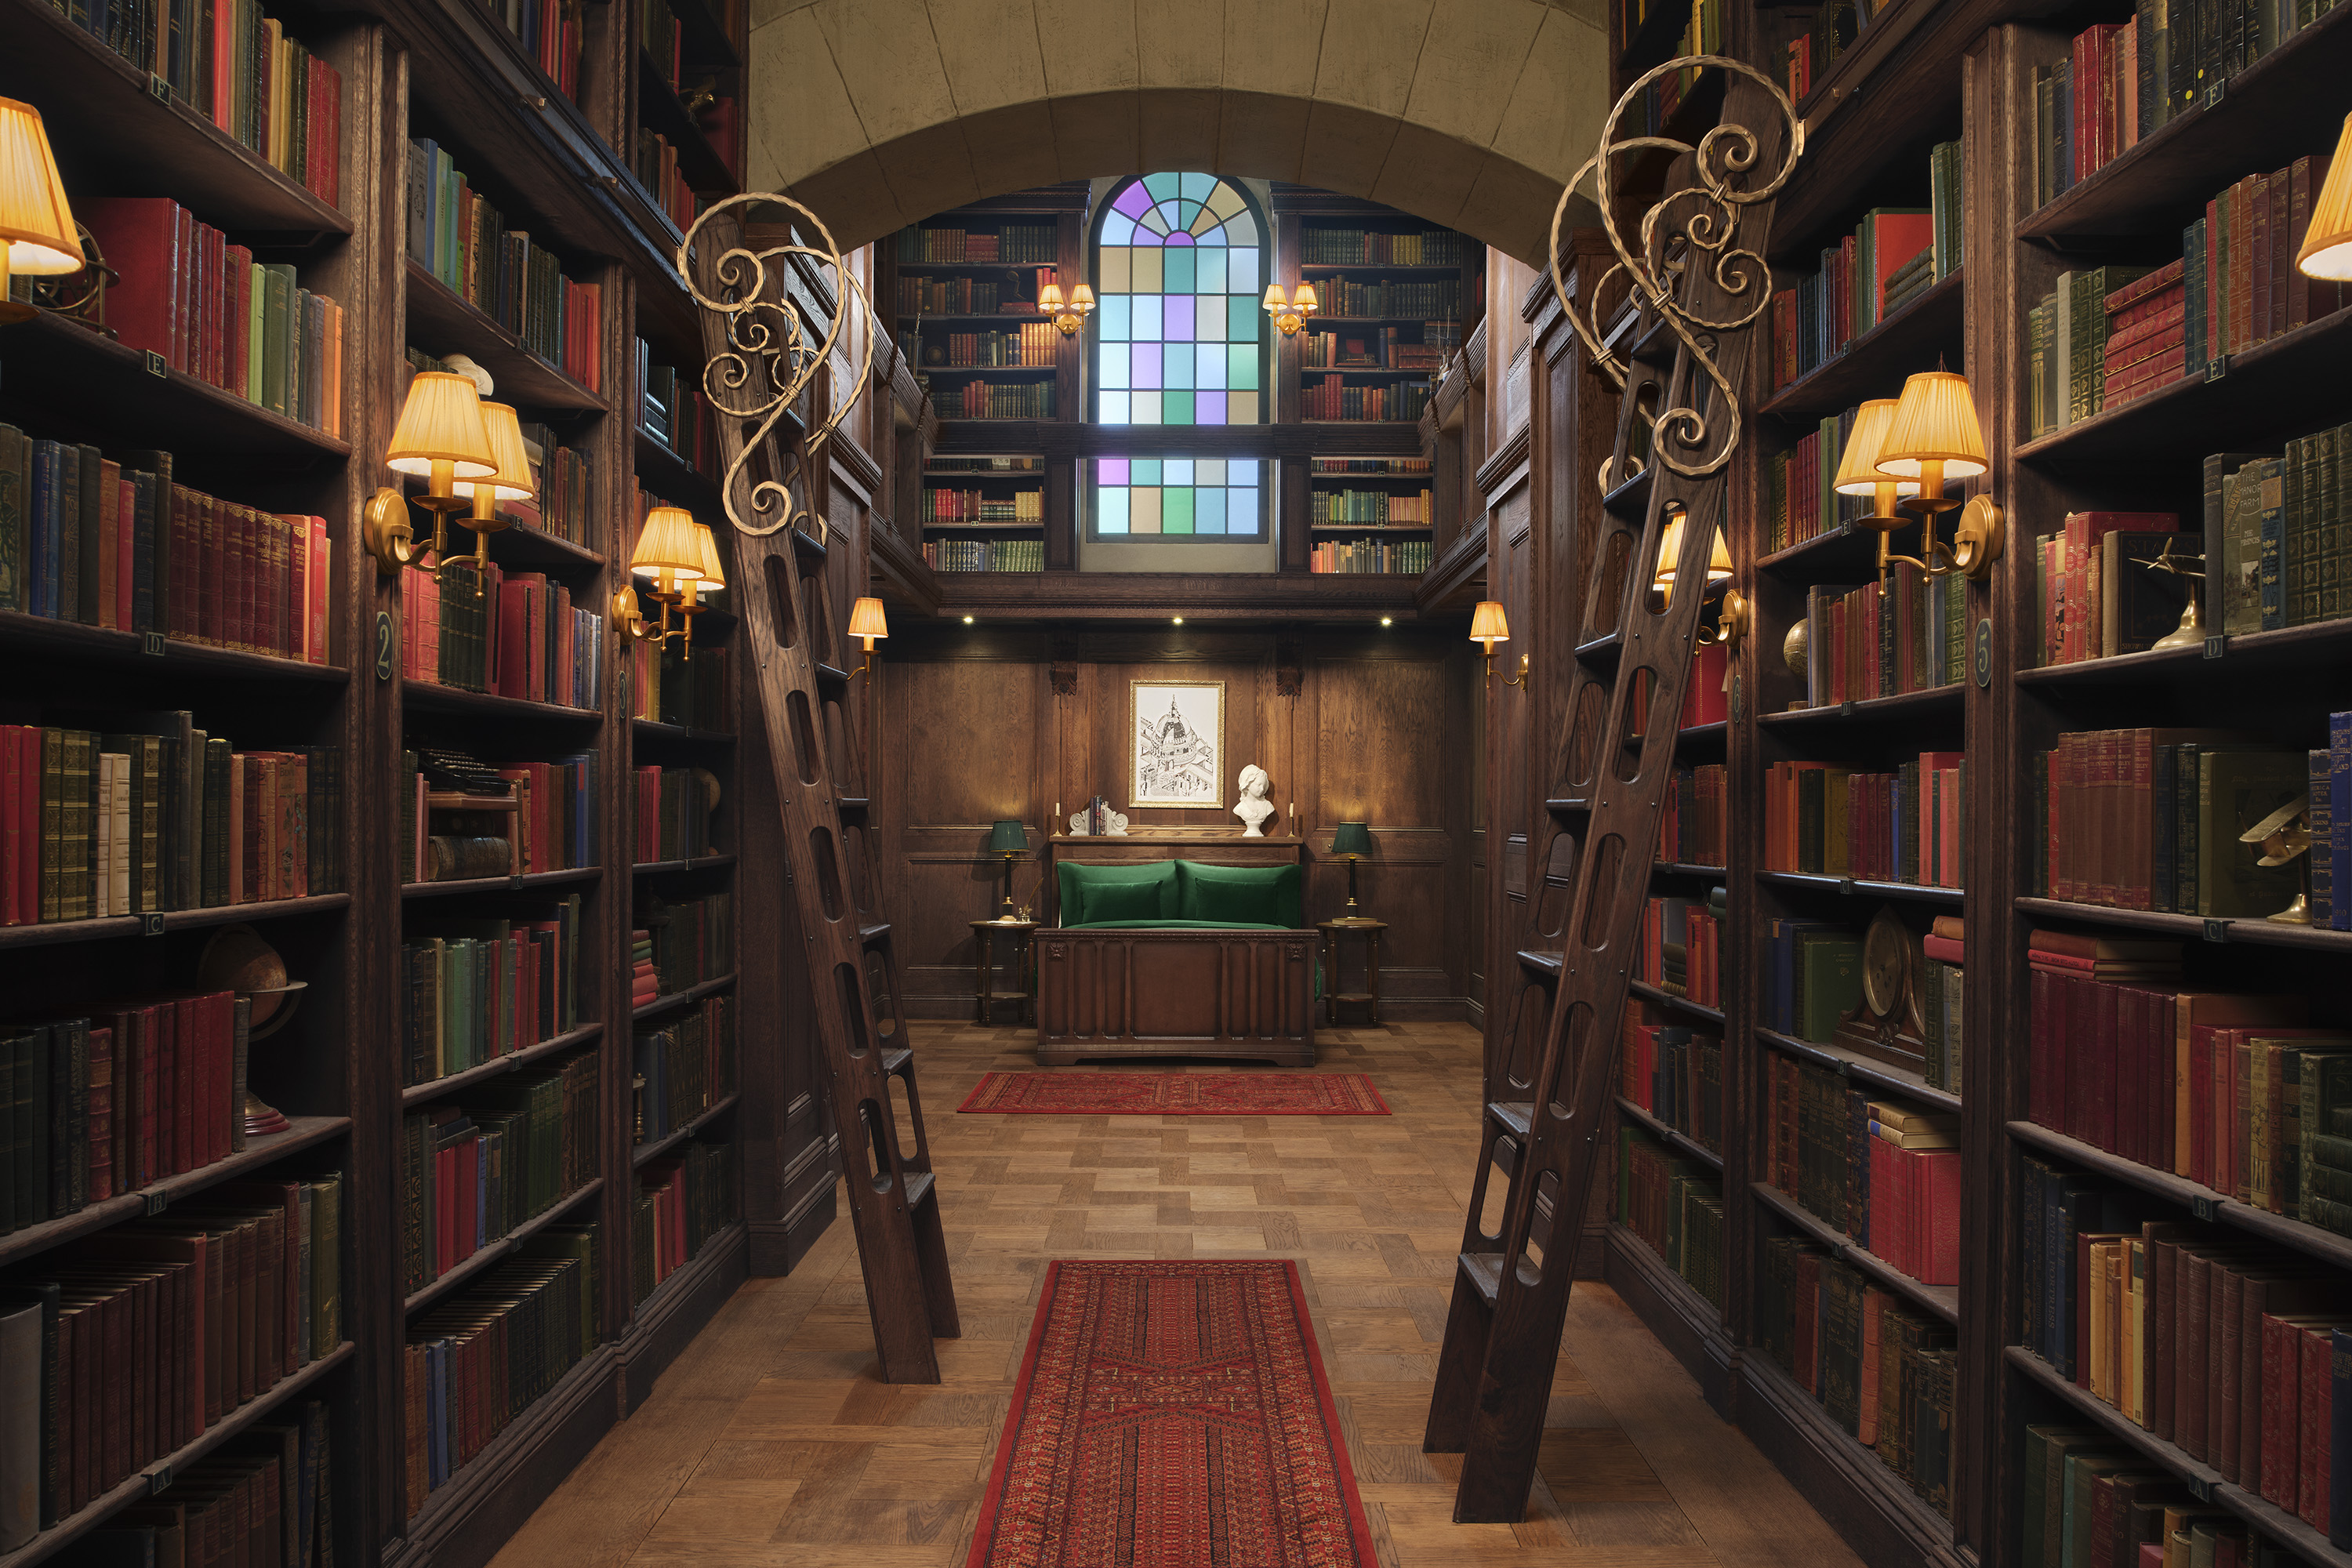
(1386, 621)
(967, 620)
(1178, 619)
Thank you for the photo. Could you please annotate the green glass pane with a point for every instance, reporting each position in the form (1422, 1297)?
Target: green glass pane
(1176, 509)
(1241, 367)
(1241, 319)
(1161, 187)
(1146, 471)
(1199, 187)
(1178, 268)
(1176, 409)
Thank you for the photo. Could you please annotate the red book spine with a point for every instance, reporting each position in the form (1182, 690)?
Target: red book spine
(2223, 1452)
(2317, 1418)
(2188, 1383)
(2281, 1413)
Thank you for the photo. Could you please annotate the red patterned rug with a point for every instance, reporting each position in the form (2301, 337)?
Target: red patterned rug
(1172, 1415)
(1178, 1094)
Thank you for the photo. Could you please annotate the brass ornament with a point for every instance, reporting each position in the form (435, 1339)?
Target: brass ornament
(1695, 226)
(772, 357)
(1978, 538)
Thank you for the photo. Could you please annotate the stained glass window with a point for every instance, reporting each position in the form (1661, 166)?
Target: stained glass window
(1179, 269)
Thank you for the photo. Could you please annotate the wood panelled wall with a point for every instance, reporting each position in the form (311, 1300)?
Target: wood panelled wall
(978, 723)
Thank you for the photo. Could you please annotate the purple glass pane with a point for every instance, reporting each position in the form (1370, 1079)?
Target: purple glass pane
(1111, 471)
(1180, 239)
(1145, 370)
(1134, 201)
(1208, 409)
(1176, 320)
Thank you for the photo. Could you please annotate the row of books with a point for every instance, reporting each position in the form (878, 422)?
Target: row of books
(2225, 1348)
(683, 1200)
(1828, 33)
(1423, 353)
(563, 478)
(507, 634)
(1675, 1206)
(675, 807)
(671, 689)
(2121, 82)
(1881, 1169)
(1407, 557)
(116, 1333)
(456, 235)
(944, 506)
(686, 942)
(1812, 976)
(2101, 338)
(986, 465)
(1011, 243)
(1674, 1072)
(1679, 947)
(921, 296)
(654, 161)
(474, 989)
(2086, 1499)
(1694, 830)
(473, 1172)
(2281, 529)
(240, 69)
(1862, 644)
(1910, 824)
(2242, 285)
(1896, 255)
(673, 409)
(1002, 400)
(1393, 299)
(1801, 485)
(1321, 465)
(553, 33)
(117, 1096)
(2227, 1090)
(1884, 1371)
(1370, 247)
(1034, 343)
(1664, 99)
(2151, 818)
(264, 1500)
(682, 1068)
(2096, 588)
(1378, 508)
(1331, 398)
(477, 1359)
(114, 543)
(214, 312)
(553, 821)
(98, 825)
(985, 555)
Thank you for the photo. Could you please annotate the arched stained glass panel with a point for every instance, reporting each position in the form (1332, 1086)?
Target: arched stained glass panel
(1179, 268)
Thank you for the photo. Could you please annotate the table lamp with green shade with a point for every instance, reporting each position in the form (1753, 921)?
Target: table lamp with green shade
(1010, 839)
(1354, 840)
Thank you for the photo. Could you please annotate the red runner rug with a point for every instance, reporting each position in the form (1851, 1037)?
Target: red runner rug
(1172, 1415)
(1178, 1094)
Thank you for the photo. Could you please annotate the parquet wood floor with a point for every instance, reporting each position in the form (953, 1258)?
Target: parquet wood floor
(769, 1442)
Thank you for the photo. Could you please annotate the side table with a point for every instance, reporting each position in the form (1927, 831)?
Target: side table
(985, 996)
(1369, 929)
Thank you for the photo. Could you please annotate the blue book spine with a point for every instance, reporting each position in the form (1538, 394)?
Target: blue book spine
(2339, 817)
(2323, 837)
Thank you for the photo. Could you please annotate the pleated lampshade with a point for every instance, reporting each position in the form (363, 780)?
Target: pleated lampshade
(714, 571)
(1858, 472)
(866, 620)
(2328, 243)
(1488, 625)
(1049, 298)
(666, 549)
(442, 422)
(1303, 299)
(1935, 420)
(1670, 554)
(512, 482)
(36, 221)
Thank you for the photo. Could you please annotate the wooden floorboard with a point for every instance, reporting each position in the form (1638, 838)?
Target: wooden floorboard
(769, 1445)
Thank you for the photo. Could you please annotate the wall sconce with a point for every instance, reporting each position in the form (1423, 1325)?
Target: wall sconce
(1489, 625)
(511, 482)
(1731, 623)
(38, 234)
(1353, 840)
(713, 580)
(1010, 840)
(1290, 314)
(1069, 314)
(668, 553)
(1933, 437)
(443, 437)
(2328, 243)
(1858, 475)
(868, 623)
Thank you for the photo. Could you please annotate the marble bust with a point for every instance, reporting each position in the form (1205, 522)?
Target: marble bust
(1254, 808)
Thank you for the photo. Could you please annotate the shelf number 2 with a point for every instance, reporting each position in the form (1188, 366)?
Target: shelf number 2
(384, 644)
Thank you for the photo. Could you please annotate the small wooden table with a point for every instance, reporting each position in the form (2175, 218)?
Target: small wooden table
(1369, 929)
(984, 993)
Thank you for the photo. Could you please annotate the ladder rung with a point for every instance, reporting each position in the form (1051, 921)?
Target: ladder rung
(1601, 650)
(895, 1057)
(1658, 346)
(851, 805)
(919, 1185)
(1544, 966)
(803, 544)
(1572, 805)
(870, 934)
(1516, 1115)
(1485, 1272)
(828, 677)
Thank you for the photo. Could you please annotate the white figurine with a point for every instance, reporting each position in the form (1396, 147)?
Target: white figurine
(1254, 808)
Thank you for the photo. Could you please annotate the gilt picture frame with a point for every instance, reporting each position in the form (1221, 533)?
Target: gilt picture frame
(1176, 744)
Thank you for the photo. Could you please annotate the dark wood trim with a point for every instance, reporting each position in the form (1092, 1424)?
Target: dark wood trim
(1685, 1323)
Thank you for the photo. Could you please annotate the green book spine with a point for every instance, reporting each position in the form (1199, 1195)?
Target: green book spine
(15, 493)
(277, 336)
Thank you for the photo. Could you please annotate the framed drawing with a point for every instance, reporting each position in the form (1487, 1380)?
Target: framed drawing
(1176, 742)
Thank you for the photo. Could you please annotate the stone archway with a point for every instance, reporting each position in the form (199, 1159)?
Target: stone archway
(1469, 113)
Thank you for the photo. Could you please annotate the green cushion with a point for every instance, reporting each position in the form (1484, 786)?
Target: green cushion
(1122, 901)
(1260, 895)
(1079, 883)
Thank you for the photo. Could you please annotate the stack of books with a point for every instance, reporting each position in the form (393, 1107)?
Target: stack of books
(1675, 1206)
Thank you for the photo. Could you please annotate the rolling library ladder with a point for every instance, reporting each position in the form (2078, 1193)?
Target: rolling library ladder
(852, 966)
(1633, 651)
